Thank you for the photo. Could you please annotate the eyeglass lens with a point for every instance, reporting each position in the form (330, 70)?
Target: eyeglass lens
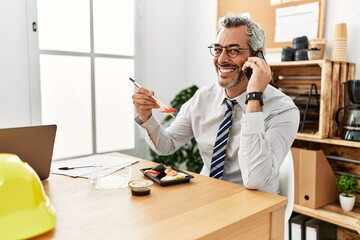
(231, 50)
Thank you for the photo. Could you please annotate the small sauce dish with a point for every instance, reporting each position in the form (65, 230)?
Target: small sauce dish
(140, 187)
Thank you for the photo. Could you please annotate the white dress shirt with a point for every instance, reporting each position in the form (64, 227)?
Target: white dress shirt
(258, 142)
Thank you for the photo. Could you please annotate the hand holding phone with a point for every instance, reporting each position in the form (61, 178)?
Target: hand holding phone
(259, 81)
(248, 71)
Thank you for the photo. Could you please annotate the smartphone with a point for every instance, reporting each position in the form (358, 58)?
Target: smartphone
(248, 71)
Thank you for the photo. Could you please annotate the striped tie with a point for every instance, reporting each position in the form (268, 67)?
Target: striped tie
(217, 161)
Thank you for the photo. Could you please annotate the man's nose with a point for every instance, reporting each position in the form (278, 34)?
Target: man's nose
(223, 56)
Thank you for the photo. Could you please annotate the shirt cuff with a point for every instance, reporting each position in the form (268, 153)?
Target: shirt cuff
(252, 123)
(149, 125)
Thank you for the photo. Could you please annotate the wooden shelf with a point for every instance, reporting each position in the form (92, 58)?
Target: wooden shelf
(297, 63)
(334, 214)
(333, 141)
(301, 63)
(297, 78)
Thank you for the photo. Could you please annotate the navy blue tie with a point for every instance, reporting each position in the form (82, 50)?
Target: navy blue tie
(222, 137)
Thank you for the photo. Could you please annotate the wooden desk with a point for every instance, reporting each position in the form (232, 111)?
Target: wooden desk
(205, 208)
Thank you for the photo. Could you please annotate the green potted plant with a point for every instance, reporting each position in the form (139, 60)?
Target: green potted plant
(347, 186)
(188, 153)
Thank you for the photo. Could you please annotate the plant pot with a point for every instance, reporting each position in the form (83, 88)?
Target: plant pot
(347, 203)
(313, 54)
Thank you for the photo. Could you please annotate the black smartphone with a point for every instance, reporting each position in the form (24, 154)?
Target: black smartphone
(248, 71)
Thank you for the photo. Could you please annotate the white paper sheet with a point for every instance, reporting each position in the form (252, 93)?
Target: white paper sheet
(297, 21)
(114, 164)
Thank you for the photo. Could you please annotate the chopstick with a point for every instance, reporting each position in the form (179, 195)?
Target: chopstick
(153, 97)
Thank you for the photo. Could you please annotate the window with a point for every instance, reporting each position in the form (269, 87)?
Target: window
(86, 57)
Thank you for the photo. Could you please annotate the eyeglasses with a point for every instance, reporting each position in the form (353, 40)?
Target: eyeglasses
(232, 50)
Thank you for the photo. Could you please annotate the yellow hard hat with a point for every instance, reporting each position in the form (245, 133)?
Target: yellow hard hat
(25, 210)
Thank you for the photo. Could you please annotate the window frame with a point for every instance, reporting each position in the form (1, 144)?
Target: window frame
(35, 81)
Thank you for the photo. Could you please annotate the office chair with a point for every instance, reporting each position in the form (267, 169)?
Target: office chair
(286, 184)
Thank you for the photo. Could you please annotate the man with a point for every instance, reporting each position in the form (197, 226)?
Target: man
(255, 136)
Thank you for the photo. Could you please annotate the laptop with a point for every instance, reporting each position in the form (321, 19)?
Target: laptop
(32, 144)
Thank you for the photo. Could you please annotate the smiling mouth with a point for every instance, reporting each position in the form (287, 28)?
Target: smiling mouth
(224, 71)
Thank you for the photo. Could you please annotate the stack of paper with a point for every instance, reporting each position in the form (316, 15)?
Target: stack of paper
(83, 167)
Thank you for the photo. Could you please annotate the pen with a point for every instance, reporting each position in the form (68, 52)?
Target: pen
(153, 97)
(71, 168)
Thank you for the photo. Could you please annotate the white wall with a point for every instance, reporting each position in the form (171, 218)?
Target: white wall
(201, 24)
(162, 39)
(174, 36)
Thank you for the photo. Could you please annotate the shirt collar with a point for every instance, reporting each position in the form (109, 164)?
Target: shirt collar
(240, 99)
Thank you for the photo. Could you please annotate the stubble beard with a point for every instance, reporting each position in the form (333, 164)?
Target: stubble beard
(239, 77)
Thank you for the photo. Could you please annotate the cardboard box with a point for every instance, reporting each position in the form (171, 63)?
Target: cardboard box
(296, 159)
(314, 179)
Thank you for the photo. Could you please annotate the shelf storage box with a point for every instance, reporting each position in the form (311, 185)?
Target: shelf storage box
(317, 229)
(296, 78)
(315, 181)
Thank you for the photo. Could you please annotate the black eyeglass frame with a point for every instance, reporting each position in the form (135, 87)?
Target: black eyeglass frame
(240, 49)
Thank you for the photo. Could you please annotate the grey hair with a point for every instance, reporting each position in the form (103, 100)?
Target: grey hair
(256, 35)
